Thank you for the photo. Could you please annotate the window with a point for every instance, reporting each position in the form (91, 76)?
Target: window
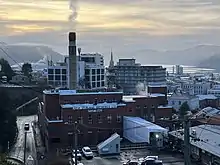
(80, 119)
(93, 78)
(102, 71)
(63, 77)
(98, 77)
(63, 71)
(118, 118)
(90, 119)
(109, 118)
(102, 77)
(93, 71)
(93, 85)
(57, 71)
(87, 72)
(138, 107)
(99, 118)
(98, 84)
(70, 119)
(57, 77)
(50, 77)
(103, 83)
(98, 71)
(50, 71)
(145, 107)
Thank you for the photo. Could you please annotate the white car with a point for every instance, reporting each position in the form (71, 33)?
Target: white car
(87, 152)
(79, 155)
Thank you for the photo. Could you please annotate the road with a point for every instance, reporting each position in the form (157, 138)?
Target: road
(17, 151)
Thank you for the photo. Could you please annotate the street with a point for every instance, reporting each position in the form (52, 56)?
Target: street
(17, 152)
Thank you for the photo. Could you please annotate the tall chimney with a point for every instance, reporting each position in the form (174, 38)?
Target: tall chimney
(72, 60)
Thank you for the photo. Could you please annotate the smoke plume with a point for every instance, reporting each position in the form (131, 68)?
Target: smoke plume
(140, 89)
(73, 8)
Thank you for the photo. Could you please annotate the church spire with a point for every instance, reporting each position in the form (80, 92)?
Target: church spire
(111, 64)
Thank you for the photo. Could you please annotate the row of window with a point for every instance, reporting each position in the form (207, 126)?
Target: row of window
(97, 84)
(95, 78)
(99, 119)
(57, 77)
(94, 71)
(57, 71)
(57, 83)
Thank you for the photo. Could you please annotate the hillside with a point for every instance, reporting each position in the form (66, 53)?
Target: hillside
(190, 56)
(27, 53)
(211, 62)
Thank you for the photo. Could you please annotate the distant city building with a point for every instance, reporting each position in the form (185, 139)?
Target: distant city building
(196, 88)
(178, 98)
(215, 90)
(90, 72)
(178, 70)
(127, 74)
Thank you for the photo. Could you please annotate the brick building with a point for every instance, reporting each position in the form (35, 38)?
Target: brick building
(99, 115)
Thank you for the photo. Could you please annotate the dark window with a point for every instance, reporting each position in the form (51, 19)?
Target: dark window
(102, 71)
(98, 71)
(98, 84)
(99, 118)
(87, 71)
(70, 119)
(63, 77)
(57, 71)
(50, 71)
(93, 85)
(50, 77)
(103, 83)
(138, 106)
(87, 78)
(93, 78)
(98, 77)
(90, 119)
(57, 77)
(63, 71)
(102, 77)
(64, 83)
(93, 71)
(80, 119)
(109, 118)
(118, 118)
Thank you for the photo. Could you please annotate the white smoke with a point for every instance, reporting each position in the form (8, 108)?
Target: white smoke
(73, 8)
(141, 89)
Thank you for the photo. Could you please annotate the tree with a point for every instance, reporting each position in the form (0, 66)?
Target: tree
(6, 69)
(8, 126)
(27, 69)
(184, 109)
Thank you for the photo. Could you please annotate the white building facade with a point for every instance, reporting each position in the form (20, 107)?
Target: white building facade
(196, 88)
(215, 91)
(178, 98)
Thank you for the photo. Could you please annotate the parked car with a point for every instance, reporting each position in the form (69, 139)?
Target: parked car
(79, 155)
(26, 126)
(87, 152)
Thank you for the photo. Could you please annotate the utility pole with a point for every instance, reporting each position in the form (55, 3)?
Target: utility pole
(25, 142)
(76, 140)
(187, 151)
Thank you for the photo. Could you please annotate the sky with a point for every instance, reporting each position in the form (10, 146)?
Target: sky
(125, 26)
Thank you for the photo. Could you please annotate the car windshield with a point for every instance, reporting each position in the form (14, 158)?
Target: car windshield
(87, 150)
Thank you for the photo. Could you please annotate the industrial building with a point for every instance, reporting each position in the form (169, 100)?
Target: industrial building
(93, 110)
(205, 143)
(127, 74)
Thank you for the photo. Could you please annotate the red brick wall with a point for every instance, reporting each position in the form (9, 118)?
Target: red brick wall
(51, 106)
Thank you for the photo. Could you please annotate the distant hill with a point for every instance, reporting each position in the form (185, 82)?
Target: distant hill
(211, 62)
(190, 56)
(27, 53)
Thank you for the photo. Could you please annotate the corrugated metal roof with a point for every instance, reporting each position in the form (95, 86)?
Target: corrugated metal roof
(209, 136)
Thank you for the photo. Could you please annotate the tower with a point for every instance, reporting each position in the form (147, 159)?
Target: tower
(72, 61)
(111, 64)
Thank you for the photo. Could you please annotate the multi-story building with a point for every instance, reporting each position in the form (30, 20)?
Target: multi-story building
(90, 72)
(215, 90)
(99, 114)
(128, 74)
(196, 88)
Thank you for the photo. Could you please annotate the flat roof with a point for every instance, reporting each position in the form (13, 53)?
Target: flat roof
(209, 136)
(74, 92)
(92, 106)
(207, 97)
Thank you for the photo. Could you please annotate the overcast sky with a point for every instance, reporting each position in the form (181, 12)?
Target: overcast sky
(126, 26)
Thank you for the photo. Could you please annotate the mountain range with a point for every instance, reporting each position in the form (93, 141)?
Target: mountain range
(201, 55)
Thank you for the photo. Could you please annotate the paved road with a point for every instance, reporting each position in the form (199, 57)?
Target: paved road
(18, 150)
